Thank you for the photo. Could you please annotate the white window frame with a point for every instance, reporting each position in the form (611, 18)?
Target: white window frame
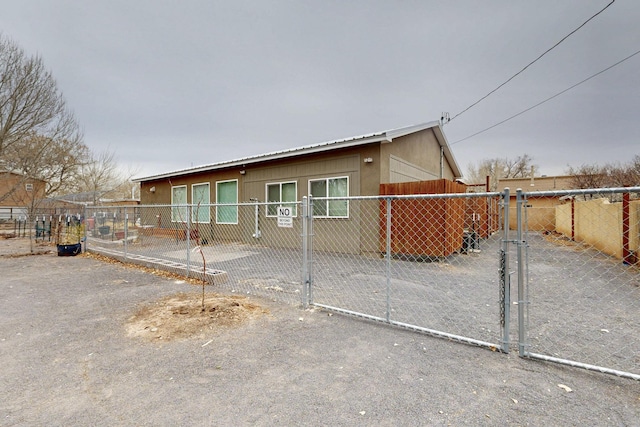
(28, 186)
(328, 199)
(293, 204)
(178, 207)
(218, 202)
(195, 208)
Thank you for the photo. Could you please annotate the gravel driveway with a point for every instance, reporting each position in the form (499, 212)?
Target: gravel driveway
(67, 360)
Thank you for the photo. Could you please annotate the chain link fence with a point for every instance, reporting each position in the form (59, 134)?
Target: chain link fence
(37, 224)
(554, 275)
(580, 278)
(424, 262)
(236, 247)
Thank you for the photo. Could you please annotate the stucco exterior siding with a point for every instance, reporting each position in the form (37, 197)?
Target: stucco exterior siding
(421, 150)
(364, 161)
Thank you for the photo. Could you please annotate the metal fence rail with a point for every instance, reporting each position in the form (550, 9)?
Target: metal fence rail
(405, 265)
(232, 255)
(553, 274)
(580, 288)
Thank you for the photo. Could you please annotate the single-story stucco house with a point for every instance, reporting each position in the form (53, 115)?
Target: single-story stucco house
(355, 166)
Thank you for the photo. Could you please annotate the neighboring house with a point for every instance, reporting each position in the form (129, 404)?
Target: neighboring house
(541, 214)
(90, 198)
(348, 167)
(119, 202)
(17, 194)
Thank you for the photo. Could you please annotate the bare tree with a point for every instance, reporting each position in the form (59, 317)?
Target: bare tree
(47, 165)
(55, 162)
(624, 175)
(35, 122)
(500, 168)
(587, 176)
(101, 176)
(520, 167)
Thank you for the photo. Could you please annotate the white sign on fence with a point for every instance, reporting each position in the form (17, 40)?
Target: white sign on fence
(285, 217)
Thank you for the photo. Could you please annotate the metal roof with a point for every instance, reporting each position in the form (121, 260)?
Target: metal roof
(383, 136)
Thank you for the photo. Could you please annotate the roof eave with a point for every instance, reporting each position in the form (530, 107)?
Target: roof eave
(442, 140)
(244, 162)
(383, 137)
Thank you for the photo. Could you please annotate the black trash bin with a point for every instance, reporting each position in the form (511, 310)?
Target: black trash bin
(469, 241)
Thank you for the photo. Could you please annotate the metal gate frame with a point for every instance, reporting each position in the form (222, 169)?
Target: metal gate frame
(521, 270)
(504, 270)
(503, 308)
(524, 302)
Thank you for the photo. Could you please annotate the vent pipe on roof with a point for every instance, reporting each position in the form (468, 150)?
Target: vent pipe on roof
(532, 170)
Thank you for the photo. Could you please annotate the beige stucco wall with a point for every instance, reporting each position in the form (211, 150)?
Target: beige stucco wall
(563, 219)
(599, 224)
(541, 213)
(421, 149)
(544, 183)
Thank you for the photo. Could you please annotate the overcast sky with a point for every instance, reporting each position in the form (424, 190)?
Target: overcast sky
(172, 84)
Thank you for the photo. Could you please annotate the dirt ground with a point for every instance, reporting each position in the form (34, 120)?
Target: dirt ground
(189, 316)
(88, 341)
(179, 316)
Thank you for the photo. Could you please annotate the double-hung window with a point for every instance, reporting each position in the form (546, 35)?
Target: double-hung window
(200, 198)
(179, 203)
(227, 193)
(327, 189)
(281, 194)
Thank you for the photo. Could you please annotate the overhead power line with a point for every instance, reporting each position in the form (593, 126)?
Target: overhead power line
(548, 99)
(532, 62)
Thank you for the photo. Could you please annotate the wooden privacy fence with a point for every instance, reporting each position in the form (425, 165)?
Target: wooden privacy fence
(482, 216)
(423, 227)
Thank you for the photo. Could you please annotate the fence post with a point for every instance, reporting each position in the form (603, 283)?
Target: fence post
(505, 276)
(188, 239)
(86, 223)
(305, 251)
(626, 250)
(126, 231)
(522, 298)
(388, 260)
(310, 244)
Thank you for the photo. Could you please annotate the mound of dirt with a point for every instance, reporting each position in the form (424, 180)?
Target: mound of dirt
(182, 316)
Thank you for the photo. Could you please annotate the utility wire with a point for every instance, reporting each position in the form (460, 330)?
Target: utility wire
(548, 99)
(532, 62)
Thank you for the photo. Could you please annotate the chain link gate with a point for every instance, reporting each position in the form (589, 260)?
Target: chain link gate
(579, 279)
(406, 261)
(398, 260)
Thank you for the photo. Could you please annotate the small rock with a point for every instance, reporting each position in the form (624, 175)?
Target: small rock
(565, 388)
